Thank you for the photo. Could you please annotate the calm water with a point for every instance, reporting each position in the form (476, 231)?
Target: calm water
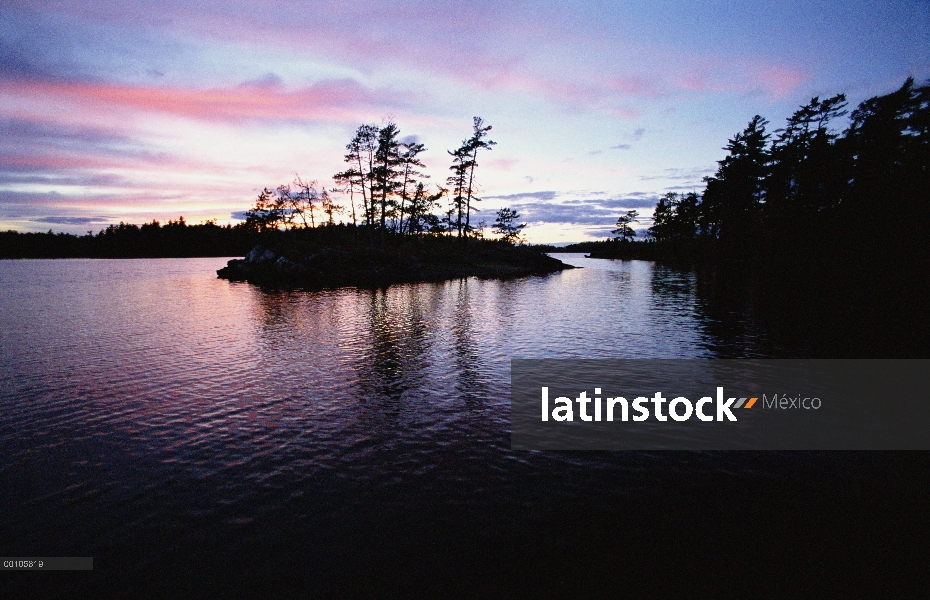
(193, 434)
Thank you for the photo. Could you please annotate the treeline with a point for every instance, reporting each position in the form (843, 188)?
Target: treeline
(826, 224)
(387, 190)
(175, 239)
(811, 190)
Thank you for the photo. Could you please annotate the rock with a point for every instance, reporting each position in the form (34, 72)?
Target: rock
(235, 270)
(260, 254)
(287, 266)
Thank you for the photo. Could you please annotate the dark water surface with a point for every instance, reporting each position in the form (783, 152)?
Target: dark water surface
(199, 437)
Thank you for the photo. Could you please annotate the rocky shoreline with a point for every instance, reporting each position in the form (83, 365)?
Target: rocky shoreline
(379, 266)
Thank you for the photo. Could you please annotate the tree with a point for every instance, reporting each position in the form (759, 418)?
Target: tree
(662, 216)
(304, 201)
(360, 154)
(329, 207)
(264, 215)
(475, 142)
(886, 150)
(806, 175)
(349, 180)
(623, 230)
(446, 222)
(676, 217)
(386, 171)
(507, 227)
(420, 214)
(461, 164)
(462, 180)
(734, 195)
(284, 204)
(410, 161)
(686, 216)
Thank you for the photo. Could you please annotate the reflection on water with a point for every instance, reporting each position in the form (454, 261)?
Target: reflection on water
(149, 408)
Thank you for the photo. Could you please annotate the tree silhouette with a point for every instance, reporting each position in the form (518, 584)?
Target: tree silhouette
(461, 166)
(284, 203)
(462, 180)
(623, 230)
(734, 195)
(420, 217)
(806, 173)
(303, 203)
(410, 164)
(809, 192)
(349, 180)
(386, 171)
(329, 207)
(506, 225)
(264, 215)
(360, 155)
(663, 216)
(475, 143)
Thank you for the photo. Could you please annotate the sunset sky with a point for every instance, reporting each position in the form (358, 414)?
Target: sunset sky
(129, 111)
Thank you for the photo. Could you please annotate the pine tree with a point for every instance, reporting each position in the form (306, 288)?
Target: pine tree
(734, 195)
(461, 165)
(410, 161)
(264, 215)
(507, 227)
(475, 142)
(386, 172)
(623, 230)
(360, 154)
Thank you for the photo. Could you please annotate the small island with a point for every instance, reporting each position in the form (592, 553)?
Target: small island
(399, 234)
(397, 260)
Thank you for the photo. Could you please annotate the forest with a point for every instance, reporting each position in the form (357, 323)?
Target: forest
(810, 188)
(824, 226)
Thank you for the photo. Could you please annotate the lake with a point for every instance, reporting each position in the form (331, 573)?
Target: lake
(197, 436)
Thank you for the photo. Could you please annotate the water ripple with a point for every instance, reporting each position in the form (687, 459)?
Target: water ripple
(149, 395)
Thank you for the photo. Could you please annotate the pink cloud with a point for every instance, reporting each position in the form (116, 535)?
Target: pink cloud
(432, 38)
(610, 94)
(482, 47)
(743, 77)
(88, 159)
(780, 81)
(503, 164)
(330, 100)
(635, 86)
(628, 113)
(697, 82)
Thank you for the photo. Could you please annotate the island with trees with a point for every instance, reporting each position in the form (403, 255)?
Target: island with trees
(397, 227)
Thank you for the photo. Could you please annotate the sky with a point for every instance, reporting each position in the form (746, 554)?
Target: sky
(130, 111)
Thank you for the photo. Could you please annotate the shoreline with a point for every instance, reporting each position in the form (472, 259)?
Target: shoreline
(422, 262)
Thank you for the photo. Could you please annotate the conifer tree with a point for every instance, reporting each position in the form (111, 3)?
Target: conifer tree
(475, 143)
(507, 226)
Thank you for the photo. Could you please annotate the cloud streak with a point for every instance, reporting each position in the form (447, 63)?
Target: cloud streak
(328, 100)
(73, 220)
(587, 212)
(547, 195)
